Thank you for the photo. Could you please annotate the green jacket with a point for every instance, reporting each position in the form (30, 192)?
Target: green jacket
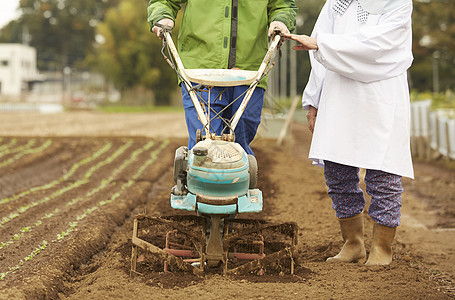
(222, 34)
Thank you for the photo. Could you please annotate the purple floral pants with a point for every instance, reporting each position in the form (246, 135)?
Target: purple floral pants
(348, 199)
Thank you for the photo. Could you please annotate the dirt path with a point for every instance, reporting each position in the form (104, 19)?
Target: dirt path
(69, 237)
(86, 123)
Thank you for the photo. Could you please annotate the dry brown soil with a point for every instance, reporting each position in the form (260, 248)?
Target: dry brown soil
(71, 183)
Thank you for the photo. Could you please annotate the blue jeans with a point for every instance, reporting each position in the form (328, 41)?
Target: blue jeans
(220, 98)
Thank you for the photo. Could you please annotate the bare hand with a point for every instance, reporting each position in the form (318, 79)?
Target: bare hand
(167, 22)
(311, 117)
(306, 42)
(278, 25)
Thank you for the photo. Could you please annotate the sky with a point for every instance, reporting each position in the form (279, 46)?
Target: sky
(8, 11)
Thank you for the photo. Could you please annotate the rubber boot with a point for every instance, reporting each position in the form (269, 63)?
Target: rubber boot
(352, 233)
(381, 247)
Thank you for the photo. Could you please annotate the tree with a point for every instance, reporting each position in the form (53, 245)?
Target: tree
(308, 13)
(129, 54)
(433, 43)
(62, 31)
(11, 33)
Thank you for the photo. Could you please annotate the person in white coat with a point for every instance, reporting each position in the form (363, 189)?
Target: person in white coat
(357, 99)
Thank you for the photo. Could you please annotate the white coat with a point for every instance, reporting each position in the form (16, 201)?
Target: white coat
(359, 84)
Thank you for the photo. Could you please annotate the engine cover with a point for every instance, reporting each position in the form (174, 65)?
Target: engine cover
(218, 168)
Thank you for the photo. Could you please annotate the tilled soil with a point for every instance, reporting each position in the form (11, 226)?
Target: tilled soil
(67, 207)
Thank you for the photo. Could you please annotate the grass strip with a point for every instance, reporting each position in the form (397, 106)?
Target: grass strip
(18, 149)
(65, 177)
(43, 147)
(11, 143)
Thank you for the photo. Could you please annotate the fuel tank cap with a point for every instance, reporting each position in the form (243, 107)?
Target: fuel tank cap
(200, 151)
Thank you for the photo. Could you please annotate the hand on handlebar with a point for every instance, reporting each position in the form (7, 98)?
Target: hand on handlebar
(277, 25)
(164, 22)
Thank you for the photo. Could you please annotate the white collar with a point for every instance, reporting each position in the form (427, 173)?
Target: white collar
(341, 6)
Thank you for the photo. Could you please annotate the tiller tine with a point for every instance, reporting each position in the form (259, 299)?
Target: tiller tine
(179, 241)
(271, 243)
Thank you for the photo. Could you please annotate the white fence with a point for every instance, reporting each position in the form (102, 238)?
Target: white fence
(432, 130)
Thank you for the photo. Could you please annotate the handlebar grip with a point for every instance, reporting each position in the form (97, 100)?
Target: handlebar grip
(276, 30)
(164, 27)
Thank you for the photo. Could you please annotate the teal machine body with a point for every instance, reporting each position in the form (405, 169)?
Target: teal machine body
(215, 177)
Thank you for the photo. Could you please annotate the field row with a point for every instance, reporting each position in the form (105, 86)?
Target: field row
(94, 176)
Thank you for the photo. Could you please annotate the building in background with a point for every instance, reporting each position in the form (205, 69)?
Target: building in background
(18, 71)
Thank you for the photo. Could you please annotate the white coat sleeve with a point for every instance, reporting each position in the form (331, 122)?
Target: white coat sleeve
(312, 93)
(375, 53)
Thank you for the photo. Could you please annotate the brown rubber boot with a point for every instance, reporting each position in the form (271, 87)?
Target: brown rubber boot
(352, 233)
(381, 247)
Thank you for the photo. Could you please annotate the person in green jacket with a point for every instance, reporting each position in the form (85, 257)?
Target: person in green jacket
(224, 35)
